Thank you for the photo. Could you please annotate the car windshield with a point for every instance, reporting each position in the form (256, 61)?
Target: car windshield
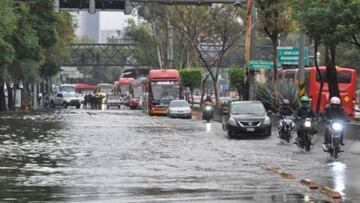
(179, 104)
(248, 108)
(67, 89)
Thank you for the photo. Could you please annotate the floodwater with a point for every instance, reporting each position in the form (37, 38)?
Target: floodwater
(125, 156)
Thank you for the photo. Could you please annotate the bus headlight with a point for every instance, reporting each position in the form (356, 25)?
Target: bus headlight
(337, 127)
(208, 108)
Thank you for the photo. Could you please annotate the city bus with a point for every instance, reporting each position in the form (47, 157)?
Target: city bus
(162, 87)
(137, 93)
(104, 88)
(346, 81)
(123, 85)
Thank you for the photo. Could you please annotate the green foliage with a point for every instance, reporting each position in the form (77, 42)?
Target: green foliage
(265, 94)
(236, 78)
(191, 77)
(7, 26)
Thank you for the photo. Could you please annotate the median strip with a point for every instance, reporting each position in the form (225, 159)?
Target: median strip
(309, 183)
(330, 192)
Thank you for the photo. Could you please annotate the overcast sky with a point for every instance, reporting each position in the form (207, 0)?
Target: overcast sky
(113, 20)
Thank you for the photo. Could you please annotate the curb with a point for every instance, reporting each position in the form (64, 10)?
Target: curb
(330, 192)
(310, 184)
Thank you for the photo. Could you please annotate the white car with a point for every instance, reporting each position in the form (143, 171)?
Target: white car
(65, 100)
(357, 111)
(179, 109)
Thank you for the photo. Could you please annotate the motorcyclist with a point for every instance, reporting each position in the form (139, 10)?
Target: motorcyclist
(303, 112)
(334, 111)
(208, 99)
(285, 110)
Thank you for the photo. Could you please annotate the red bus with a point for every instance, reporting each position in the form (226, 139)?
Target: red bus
(346, 81)
(123, 85)
(137, 93)
(162, 87)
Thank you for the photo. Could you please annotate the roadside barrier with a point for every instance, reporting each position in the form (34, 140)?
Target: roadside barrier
(309, 183)
(330, 192)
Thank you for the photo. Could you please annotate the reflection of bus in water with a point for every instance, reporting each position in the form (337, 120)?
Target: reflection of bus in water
(163, 86)
(346, 81)
(137, 92)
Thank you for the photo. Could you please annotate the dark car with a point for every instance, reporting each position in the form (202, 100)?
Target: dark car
(246, 118)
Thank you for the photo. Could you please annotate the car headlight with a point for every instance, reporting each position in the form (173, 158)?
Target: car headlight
(267, 121)
(67, 100)
(232, 122)
(307, 124)
(337, 126)
(208, 108)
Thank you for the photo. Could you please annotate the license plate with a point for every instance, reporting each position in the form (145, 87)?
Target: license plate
(250, 129)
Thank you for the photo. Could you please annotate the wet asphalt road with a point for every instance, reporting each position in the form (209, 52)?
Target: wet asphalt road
(125, 156)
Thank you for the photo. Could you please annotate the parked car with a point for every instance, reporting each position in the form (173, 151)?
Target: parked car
(357, 112)
(113, 100)
(246, 118)
(179, 108)
(65, 100)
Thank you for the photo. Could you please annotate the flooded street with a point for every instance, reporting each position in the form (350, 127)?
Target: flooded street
(124, 156)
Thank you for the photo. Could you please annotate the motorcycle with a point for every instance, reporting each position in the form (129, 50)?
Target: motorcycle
(286, 125)
(306, 133)
(335, 133)
(208, 112)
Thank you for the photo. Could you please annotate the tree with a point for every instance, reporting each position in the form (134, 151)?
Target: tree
(191, 78)
(236, 78)
(146, 45)
(212, 31)
(7, 52)
(327, 23)
(274, 18)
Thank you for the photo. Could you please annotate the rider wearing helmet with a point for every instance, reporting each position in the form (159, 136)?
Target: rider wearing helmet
(334, 111)
(285, 109)
(303, 112)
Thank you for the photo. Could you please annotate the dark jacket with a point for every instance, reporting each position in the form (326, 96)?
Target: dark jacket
(285, 111)
(304, 112)
(335, 113)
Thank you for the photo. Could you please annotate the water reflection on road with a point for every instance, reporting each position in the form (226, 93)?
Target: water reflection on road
(124, 156)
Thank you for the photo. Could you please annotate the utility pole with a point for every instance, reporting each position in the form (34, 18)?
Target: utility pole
(301, 76)
(252, 54)
(170, 47)
(249, 4)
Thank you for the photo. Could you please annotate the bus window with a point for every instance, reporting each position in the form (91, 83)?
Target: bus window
(342, 77)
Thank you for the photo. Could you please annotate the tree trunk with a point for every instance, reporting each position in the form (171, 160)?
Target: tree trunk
(192, 97)
(274, 50)
(316, 44)
(11, 104)
(2, 97)
(216, 94)
(331, 73)
(203, 89)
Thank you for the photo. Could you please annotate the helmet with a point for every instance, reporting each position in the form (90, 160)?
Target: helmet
(285, 101)
(305, 101)
(335, 101)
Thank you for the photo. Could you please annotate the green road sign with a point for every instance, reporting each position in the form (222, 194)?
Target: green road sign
(290, 55)
(259, 64)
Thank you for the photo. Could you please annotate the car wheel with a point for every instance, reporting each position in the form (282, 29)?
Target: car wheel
(78, 106)
(230, 134)
(65, 106)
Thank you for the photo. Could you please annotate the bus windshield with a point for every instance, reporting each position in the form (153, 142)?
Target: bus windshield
(105, 89)
(342, 77)
(165, 91)
(137, 91)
